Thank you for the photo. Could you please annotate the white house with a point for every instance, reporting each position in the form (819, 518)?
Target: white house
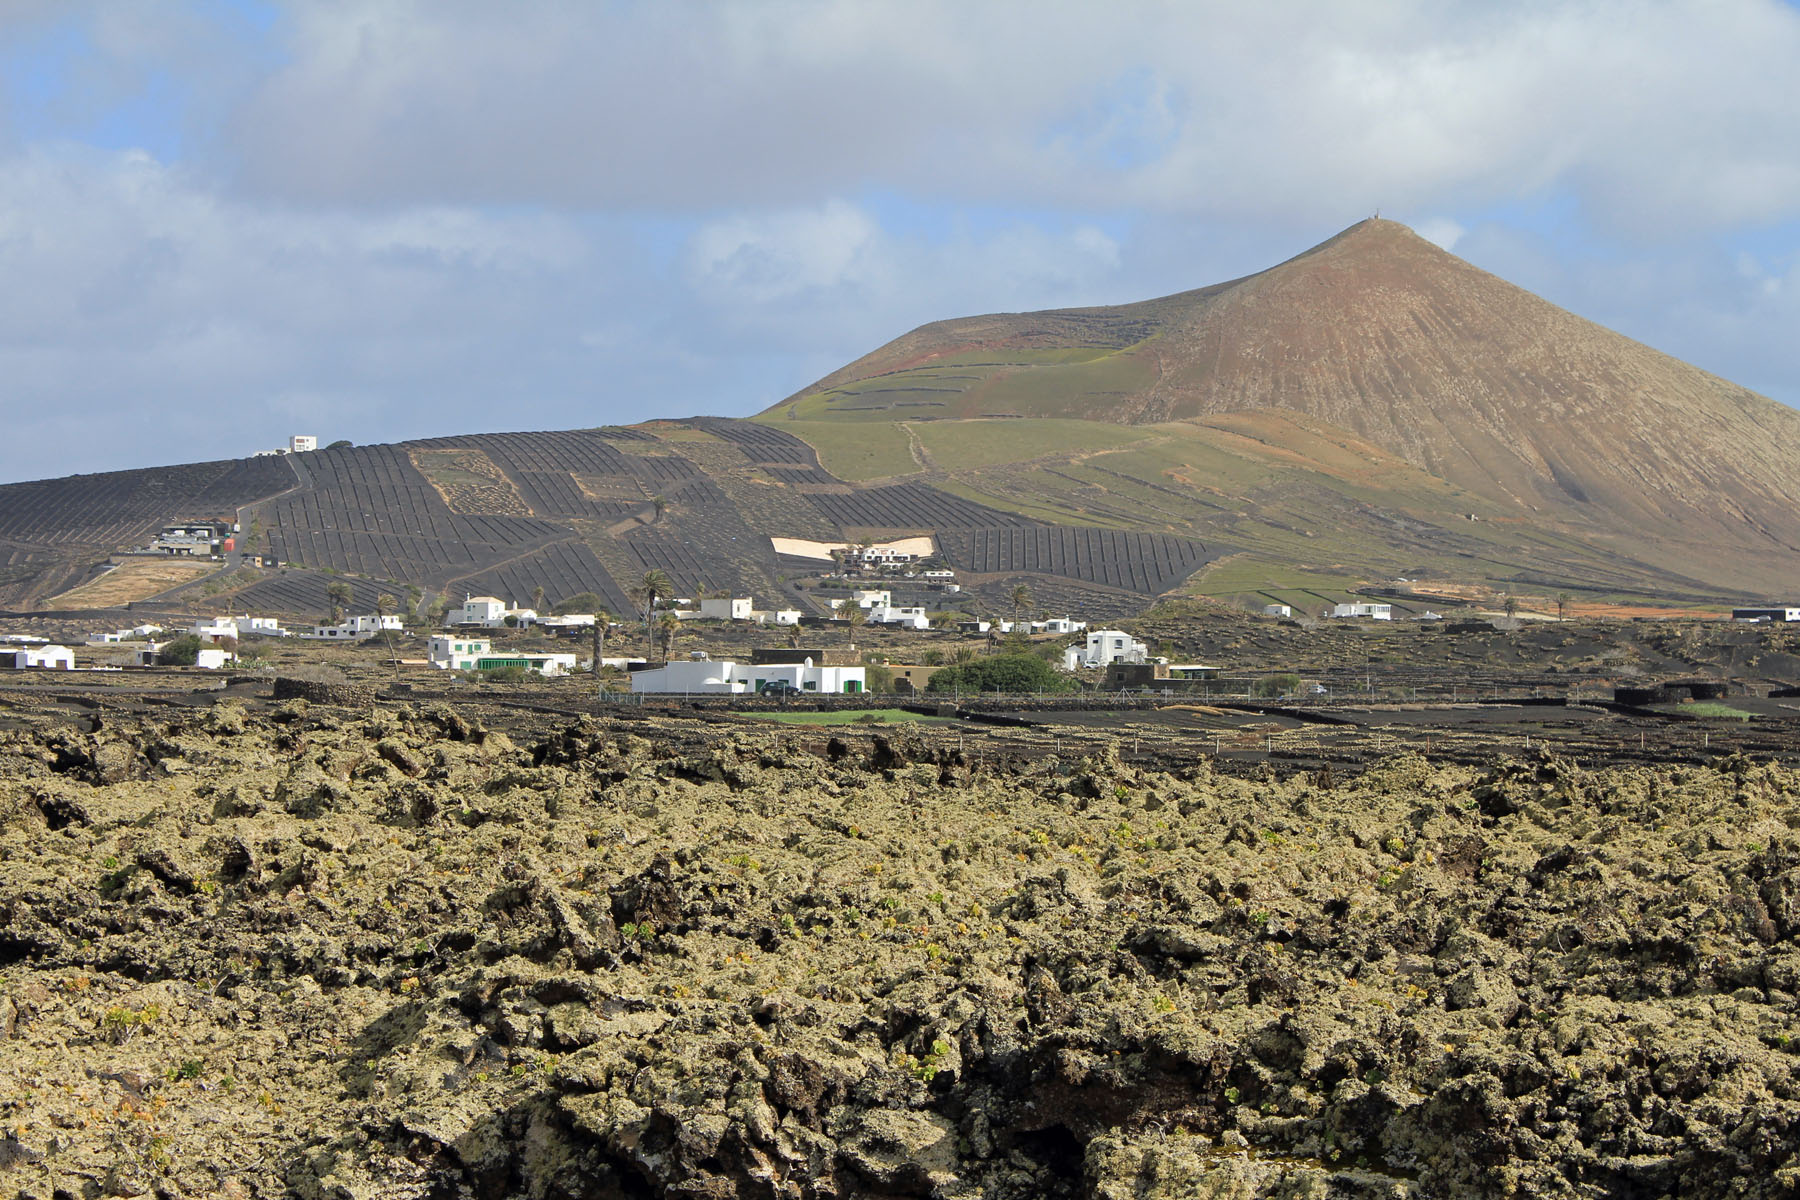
(869, 598)
(938, 576)
(1769, 613)
(1105, 646)
(568, 622)
(726, 608)
(39, 658)
(777, 616)
(216, 629)
(249, 626)
(906, 618)
(356, 629)
(1059, 625)
(1277, 610)
(1373, 612)
(212, 658)
(734, 678)
(489, 612)
(449, 652)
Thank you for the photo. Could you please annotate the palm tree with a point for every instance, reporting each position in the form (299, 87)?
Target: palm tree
(794, 637)
(668, 625)
(384, 604)
(856, 615)
(537, 599)
(1562, 606)
(1512, 605)
(601, 618)
(341, 594)
(654, 586)
(1021, 600)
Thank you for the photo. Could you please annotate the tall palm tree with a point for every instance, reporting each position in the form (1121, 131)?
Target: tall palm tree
(1021, 600)
(655, 585)
(537, 599)
(385, 604)
(341, 594)
(668, 625)
(601, 619)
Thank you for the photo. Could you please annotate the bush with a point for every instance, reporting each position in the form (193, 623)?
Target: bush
(1278, 685)
(580, 602)
(183, 651)
(1002, 673)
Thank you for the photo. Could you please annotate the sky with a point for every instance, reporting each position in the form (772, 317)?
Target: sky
(223, 222)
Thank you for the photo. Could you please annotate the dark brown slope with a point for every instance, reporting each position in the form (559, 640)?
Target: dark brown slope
(1381, 333)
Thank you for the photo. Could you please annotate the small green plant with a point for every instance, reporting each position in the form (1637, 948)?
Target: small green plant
(1163, 1004)
(190, 1068)
(1232, 1095)
(120, 1023)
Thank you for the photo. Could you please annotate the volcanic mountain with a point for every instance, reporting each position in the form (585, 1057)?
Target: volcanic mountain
(1374, 414)
(1379, 333)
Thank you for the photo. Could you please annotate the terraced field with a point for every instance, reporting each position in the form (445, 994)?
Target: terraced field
(590, 511)
(1145, 563)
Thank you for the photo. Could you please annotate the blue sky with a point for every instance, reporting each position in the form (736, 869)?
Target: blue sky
(224, 222)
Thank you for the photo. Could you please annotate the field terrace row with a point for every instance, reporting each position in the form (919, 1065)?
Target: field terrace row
(1145, 563)
(120, 508)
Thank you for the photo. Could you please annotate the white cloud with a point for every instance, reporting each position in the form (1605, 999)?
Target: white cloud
(1660, 114)
(1440, 231)
(761, 259)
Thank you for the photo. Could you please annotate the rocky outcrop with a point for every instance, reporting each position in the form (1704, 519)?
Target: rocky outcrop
(403, 955)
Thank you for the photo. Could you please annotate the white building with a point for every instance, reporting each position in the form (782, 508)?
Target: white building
(211, 658)
(449, 652)
(868, 598)
(1277, 610)
(1105, 646)
(249, 626)
(1372, 612)
(734, 678)
(356, 629)
(726, 608)
(568, 622)
(777, 616)
(39, 658)
(906, 618)
(938, 576)
(1059, 625)
(302, 443)
(1768, 613)
(216, 629)
(489, 612)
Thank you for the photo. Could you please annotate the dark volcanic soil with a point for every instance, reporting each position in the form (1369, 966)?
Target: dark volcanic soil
(341, 954)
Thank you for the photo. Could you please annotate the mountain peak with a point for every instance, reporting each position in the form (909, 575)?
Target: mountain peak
(1385, 335)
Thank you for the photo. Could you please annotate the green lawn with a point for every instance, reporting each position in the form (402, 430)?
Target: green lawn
(854, 450)
(1708, 708)
(848, 716)
(955, 445)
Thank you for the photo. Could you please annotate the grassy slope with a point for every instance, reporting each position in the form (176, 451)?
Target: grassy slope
(1314, 509)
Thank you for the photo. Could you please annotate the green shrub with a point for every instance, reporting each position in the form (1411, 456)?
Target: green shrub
(183, 651)
(1002, 673)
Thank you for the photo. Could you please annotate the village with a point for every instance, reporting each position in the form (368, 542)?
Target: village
(882, 618)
